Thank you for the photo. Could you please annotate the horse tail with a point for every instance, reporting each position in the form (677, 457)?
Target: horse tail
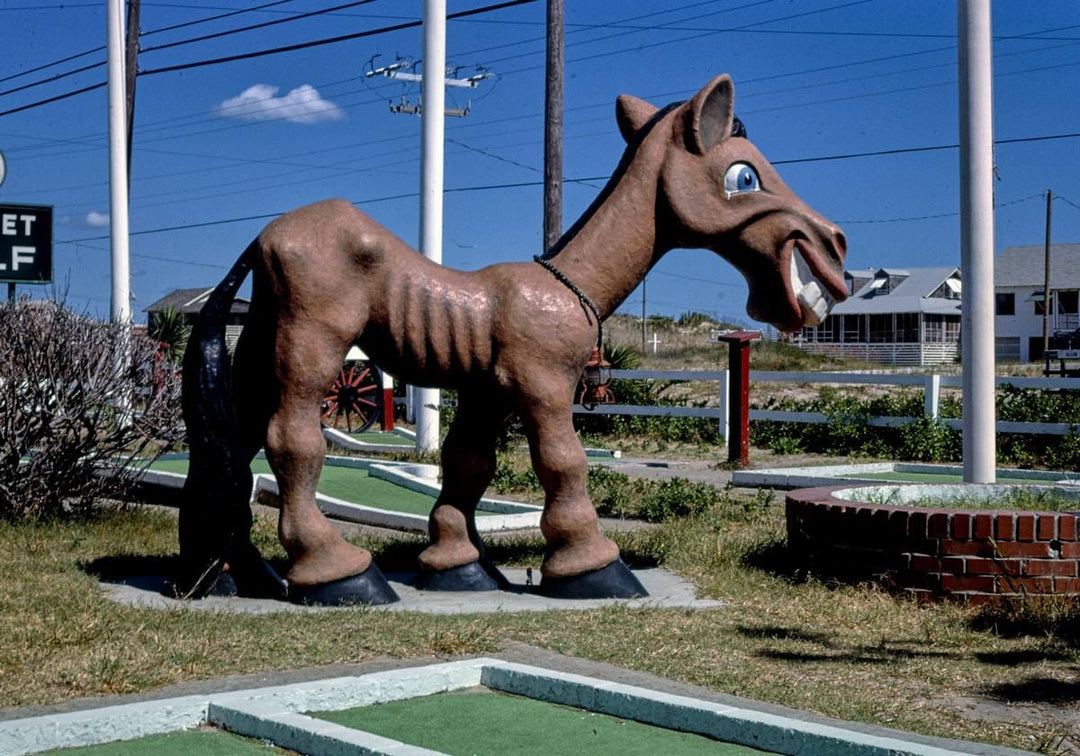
(215, 515)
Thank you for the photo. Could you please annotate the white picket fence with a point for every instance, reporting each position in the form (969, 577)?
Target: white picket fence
(930, 383)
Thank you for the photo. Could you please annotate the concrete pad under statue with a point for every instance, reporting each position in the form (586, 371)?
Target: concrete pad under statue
(666, 591)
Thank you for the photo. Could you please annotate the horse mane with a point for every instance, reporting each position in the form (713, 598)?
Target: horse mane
(624, 164)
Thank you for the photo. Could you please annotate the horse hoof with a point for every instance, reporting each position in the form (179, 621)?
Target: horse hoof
(467, 577)
(369, 587)
(614, 581)
(256, 579)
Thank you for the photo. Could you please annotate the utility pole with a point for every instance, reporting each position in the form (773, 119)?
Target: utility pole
(1046, 275)
(131, 71)
(118, 186)
(432, 127)
(553, 125)
(977, 238)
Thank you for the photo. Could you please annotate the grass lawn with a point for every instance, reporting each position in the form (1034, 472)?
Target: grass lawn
(346, 483)
(521, 726)
(853, 652)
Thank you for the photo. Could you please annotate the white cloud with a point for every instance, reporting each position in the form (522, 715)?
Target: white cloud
(96, 219)
(260, 103)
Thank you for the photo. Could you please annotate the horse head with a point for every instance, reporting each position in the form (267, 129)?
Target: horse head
(718, 192)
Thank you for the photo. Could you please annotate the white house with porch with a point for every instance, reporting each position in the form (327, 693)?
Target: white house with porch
(893, 316)
(1018, 298)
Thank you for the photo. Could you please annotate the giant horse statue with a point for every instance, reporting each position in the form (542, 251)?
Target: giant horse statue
(509, 338)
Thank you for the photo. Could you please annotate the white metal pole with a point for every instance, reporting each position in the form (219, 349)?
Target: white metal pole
(977, 237)
(118, 184)
(433, 92)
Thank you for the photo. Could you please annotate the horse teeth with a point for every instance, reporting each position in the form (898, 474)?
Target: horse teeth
(813, 298)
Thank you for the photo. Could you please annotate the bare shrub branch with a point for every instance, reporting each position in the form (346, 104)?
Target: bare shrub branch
(77, 396)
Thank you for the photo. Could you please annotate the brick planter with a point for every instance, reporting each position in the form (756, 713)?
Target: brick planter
(931, 553)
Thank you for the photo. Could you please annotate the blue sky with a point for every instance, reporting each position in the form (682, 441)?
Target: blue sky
(256, 137)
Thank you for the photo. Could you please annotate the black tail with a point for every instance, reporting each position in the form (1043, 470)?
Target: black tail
(215, 517)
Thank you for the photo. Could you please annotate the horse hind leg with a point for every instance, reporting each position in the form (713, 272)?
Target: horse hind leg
(324, 567)
(455, 560)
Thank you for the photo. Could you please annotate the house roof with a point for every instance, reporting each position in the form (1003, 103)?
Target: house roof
(910, 295)
(190, 301)
(1023, 266)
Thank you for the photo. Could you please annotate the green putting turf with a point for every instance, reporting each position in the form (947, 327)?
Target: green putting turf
(381, 437)
(184, 743)
(346, 483)
(486, 722)
(894, 476)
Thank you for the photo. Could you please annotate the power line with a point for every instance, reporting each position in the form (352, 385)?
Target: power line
(252, 27)
(327, 40)
(524, 184)
(101, 48)
(936, 216)
(639, 48)
(274, 51)
(218, 17)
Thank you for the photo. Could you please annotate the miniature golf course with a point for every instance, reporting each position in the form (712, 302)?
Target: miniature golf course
(448, 722)
(346, 483)
(183, 743)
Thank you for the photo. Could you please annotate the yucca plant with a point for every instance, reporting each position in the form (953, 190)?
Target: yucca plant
(171, 332)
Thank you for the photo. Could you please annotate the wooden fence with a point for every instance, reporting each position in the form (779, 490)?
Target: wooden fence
(930, 383)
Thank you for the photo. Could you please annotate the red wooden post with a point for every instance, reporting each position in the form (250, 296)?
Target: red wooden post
(387, 402)
(739, 393)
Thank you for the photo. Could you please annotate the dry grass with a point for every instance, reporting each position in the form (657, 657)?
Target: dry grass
(848, 651)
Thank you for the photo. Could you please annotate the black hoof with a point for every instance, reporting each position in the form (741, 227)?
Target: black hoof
(257, 579)
(369, 587)
(614, 581)
(467, 577)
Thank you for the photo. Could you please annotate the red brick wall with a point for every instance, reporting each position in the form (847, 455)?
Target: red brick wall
(936, 552)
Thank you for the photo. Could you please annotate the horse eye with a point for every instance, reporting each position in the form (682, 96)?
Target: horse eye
(741, 177)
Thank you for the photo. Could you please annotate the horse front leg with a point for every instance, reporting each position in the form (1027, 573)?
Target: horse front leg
(580, 561)
(454, 560)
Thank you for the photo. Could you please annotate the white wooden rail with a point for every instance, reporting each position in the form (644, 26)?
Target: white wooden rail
(931, 384)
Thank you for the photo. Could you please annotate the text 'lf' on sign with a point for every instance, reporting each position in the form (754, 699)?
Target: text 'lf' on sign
(26, 236)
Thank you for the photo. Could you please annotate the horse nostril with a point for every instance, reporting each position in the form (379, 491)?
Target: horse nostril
(838, 247)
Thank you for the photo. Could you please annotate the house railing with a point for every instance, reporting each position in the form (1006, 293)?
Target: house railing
(890, 353)
(930, 383)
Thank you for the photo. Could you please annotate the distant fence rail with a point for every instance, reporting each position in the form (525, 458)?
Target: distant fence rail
(930, 383)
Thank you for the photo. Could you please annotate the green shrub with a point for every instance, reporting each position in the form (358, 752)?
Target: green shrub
(928, 440)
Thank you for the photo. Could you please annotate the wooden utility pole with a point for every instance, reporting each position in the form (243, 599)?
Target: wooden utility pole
(553, 124)
(1046, 275)
(131, 65)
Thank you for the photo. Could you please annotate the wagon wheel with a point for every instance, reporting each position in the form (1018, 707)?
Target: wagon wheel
(353, 399)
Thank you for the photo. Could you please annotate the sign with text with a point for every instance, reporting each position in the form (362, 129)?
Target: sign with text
(26, 236)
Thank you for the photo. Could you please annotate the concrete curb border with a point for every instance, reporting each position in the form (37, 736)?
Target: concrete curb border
(511, 515)
(847, 475)
(277, 714)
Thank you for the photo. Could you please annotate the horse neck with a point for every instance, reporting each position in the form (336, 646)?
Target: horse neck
(608, 251)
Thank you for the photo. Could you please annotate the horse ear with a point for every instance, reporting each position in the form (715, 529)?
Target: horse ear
(709, 115)
(632, 113)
